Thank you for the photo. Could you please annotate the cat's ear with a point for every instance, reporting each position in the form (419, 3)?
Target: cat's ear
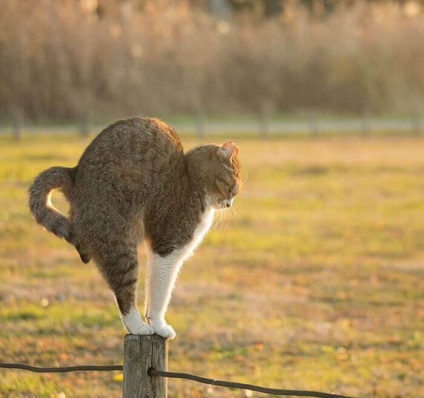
(227, 150)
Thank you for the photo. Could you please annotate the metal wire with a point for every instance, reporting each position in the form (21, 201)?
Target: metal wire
(173, 375)
(61, 369)
(242, 386)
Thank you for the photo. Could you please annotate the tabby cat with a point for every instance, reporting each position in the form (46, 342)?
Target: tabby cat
(134, 183)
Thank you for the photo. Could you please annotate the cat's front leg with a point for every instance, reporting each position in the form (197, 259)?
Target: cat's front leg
(161, 276)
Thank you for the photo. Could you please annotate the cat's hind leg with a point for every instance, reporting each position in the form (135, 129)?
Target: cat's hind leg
(120, 270)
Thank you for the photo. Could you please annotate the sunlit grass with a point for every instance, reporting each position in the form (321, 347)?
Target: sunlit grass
(313, 282)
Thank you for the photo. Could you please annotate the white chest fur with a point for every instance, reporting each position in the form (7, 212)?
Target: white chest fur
(162, 273)
(199, 232)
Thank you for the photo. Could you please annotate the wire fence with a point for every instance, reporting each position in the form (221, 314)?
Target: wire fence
(261, 127)
(174, 375)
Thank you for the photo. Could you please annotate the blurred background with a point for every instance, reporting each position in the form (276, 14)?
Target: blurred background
(84, 61)
(313, 279)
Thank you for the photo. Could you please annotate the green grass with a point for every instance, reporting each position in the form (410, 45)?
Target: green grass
(313, 282)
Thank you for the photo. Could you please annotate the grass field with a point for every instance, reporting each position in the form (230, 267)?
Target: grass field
(315, 281)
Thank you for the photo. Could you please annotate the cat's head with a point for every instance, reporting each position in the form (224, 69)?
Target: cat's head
(218, 169)
(225, 183)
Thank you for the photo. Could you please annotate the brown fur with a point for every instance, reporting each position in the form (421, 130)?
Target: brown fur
(133, 182)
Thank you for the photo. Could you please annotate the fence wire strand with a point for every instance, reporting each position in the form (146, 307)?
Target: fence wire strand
(62, 369)
(243, 386)
(173, 375)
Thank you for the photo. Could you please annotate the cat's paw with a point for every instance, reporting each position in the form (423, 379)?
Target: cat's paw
(134, 324)
(143, 329)
(164, 330)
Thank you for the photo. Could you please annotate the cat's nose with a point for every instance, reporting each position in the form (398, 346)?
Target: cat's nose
(228, 202)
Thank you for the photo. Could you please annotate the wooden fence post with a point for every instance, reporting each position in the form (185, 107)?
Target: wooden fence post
(140, 354)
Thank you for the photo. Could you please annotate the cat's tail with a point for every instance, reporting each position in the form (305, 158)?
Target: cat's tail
(40, 200)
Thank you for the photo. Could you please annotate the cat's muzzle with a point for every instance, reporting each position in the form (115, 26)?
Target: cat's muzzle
(228, 202)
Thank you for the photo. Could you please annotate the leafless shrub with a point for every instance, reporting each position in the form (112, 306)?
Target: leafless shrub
(61, 60)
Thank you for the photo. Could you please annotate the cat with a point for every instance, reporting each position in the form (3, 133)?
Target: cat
(134, 183)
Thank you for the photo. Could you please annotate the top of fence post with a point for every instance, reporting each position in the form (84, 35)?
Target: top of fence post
(140, 354)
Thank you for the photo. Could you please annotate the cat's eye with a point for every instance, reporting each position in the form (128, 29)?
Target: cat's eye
(233, 190)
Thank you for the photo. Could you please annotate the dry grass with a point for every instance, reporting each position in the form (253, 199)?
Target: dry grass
(312, 283)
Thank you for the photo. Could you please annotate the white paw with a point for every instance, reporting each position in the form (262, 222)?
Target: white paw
(134, 324)
(164, 330)
(142, 329)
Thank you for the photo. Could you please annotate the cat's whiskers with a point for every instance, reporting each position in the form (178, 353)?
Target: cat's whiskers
(217, 222)
(222, 220)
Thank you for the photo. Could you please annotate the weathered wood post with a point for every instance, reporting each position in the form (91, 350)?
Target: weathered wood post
(140, 354)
